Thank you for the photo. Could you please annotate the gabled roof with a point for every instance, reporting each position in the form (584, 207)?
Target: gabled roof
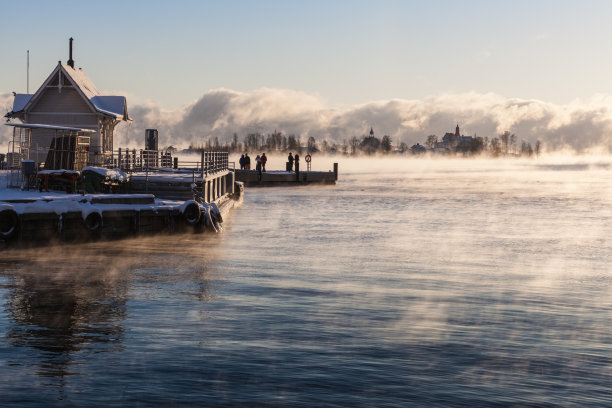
(113, 106)
(81, 80)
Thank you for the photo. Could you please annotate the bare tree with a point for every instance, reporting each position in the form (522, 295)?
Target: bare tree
(354, 144)
(385, 144)
(312, 145)
(505, 140)
(431, 141)
(495, 147)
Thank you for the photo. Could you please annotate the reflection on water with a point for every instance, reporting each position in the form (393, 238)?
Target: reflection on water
(410, 283)
(67, 302)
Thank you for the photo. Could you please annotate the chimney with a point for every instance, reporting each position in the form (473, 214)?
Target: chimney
(71, 61)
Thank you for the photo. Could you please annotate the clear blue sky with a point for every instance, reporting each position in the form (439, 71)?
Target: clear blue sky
(345, 52)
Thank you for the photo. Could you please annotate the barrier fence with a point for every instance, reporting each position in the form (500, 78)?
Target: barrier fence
(131, 160)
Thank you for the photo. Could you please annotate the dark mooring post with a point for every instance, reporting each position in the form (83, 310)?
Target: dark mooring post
(202, 163)
(175, 163)
(335, 171)
(297, 167)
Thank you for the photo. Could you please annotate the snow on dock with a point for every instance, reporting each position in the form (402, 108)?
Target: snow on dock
(43, 217)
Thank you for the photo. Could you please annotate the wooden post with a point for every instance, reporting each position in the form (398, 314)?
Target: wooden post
(336, 171)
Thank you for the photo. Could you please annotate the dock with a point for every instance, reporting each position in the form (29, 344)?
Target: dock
(139, 197)
(252, 178)
(77, 218)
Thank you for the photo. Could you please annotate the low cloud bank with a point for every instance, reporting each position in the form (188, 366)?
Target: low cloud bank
(579, 126)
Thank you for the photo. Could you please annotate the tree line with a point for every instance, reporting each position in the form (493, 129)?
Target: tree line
(369, 144)
(502, 145)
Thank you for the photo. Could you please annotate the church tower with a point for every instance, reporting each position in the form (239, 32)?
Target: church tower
(457, 133)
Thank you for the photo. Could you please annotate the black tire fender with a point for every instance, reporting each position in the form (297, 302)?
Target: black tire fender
(192, 213)
(93, 222)
(9, 223)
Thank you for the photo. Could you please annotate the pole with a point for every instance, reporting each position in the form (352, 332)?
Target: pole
(28, 74)
(202, 163)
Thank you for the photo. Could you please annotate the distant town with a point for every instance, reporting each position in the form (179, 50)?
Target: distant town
(451, 144)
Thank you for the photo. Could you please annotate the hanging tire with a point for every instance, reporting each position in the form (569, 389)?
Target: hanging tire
(217, 213)
(192, 213)
(93, 222)
(215, 217)
(210, 220)
(9, 224)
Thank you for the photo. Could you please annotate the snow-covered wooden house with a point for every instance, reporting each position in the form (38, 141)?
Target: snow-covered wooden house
(69, 98)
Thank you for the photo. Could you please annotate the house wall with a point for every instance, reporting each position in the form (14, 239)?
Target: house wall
(68, 100)
(65, 108)
(60, 102)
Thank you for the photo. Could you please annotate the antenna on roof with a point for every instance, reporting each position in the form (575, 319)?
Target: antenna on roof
(71, 61)
(28, 73)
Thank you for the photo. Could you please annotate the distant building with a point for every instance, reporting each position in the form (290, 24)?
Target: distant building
(69, 98)
(453, 142)
(418, 149)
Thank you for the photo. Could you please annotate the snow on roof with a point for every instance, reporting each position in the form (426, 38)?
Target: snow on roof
(108, 105)
(20, 101)
(81, 79)
(53, 127)
(111, 105)
(114, 106)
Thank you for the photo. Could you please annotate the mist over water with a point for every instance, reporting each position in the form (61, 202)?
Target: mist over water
(410, 283)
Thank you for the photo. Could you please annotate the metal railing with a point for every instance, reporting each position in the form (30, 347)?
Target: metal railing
(213, 162)
(131, 160)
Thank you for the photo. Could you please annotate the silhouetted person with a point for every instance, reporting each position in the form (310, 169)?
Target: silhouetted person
(290, 160)
(241, 161)
(264, 160)
(297, 163)
(247, 162)
(258, 166)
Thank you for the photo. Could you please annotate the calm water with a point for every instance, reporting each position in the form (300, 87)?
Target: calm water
(410, 283)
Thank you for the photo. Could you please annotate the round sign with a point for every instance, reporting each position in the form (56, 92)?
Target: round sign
(308, 158)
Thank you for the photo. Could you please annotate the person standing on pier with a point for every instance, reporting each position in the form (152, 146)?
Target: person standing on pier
(290, 160)
(241, 161)
(258, 166)
(297, 163)
(247, 161)
(264, 159)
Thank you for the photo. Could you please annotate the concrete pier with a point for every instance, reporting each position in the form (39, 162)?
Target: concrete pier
(287, 178)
